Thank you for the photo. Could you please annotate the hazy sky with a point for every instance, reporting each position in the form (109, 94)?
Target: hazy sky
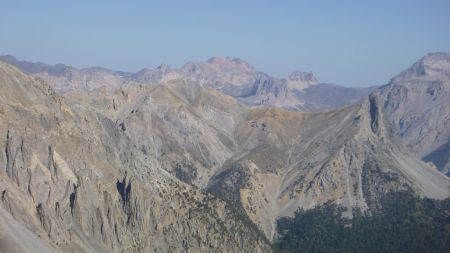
(354, 43)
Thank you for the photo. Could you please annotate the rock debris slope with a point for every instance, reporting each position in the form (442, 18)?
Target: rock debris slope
(71, 181)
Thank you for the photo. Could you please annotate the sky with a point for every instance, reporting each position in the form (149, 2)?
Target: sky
(351, 43)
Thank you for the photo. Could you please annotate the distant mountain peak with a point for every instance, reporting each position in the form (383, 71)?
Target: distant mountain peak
(432, 64)
(437, 55)
(303, 76)
(163, 67)
(143, 70)
(218, 59)
(229, 63)
(8, 58)
(190, 67)
(300, 80)
(436, 61)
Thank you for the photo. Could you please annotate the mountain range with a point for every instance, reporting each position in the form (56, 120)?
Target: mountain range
(206, 158)
(301, 91)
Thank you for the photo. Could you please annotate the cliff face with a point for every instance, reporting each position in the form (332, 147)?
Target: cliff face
(73, 182)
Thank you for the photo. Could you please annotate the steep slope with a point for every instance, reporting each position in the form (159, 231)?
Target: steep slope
(16, 238)
(188, 128)
(417, 104)
(74, 180)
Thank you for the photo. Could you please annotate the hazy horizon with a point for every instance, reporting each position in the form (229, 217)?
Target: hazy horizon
(354, 44)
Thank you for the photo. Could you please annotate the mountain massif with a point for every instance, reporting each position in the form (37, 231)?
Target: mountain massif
(208, 157)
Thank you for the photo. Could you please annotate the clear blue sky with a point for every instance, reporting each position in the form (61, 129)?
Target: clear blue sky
(354, 43)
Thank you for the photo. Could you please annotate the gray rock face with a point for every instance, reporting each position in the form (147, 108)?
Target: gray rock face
(417, 104)
(71, 181)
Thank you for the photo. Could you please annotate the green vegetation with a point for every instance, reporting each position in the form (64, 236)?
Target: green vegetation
(403, 223)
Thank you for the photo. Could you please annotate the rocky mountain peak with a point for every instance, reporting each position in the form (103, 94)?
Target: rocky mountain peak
(35, 67)
(222, 60)
(432, 64)
(190, 67)
(8, 58)
(228, 63)
(415, 98)
(300, 80)
(145, 70)
(302, 76)
(163, 68)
